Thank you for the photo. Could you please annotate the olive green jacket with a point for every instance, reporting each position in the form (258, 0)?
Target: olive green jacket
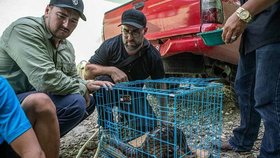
(30, 62)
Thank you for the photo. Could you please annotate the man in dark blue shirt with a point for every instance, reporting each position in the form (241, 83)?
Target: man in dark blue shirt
(131, 42)
(111, 59)
(258, 78)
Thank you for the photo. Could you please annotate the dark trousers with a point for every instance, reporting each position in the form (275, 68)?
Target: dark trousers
(71, 109)
(258, 89)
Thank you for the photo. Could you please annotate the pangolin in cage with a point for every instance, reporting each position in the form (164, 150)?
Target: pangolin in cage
(158, 143)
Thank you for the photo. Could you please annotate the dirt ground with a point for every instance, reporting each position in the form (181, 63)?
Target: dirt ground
(75, 139)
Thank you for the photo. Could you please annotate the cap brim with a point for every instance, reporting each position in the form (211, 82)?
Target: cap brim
(132, 24)
(66, 6)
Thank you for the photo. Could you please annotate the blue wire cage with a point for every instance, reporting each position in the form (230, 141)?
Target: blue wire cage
(164, 118)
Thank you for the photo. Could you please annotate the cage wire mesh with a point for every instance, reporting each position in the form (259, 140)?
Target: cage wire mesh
(164, 118)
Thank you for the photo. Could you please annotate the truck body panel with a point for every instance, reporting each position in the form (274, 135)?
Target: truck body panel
(173, 26)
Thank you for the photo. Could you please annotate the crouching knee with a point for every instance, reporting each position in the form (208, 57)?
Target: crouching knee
(39, 104)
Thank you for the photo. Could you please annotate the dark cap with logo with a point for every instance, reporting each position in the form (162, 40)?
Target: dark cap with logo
(77, 5)
(134, 18)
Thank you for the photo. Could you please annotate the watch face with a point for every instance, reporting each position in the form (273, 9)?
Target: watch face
(244, 14)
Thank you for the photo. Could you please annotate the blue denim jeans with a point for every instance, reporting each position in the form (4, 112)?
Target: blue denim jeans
(257, 86)
(71, 109)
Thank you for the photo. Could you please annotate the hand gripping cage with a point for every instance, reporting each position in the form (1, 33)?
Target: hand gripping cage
(164, 118)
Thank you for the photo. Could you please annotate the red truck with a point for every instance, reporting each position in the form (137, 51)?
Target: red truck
(173, 27)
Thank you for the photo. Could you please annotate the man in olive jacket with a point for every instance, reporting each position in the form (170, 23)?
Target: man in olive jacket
(36, 57)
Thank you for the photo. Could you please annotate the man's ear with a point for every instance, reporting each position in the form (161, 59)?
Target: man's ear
(47, 10)
(145, 30)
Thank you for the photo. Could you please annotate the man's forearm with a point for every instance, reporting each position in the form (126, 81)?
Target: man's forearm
(257, 6)
(93, 70)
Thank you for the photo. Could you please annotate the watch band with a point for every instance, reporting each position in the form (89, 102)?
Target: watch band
(243, 15)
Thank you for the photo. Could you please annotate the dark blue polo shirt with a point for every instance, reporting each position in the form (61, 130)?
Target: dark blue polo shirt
(112, 53)
(263, 30)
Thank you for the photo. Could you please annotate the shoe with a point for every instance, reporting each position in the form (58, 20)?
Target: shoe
(226, 147)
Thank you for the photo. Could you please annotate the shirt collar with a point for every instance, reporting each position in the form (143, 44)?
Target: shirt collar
(146, 43)
(49, 35)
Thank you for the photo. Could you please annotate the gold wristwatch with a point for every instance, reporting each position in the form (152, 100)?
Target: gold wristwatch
(243, 14)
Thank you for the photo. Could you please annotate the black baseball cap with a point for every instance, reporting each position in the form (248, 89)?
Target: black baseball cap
(134, 18)
(77, 5)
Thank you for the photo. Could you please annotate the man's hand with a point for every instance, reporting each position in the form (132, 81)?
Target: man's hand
(233, 28)
(118, 75)
(96, 85)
